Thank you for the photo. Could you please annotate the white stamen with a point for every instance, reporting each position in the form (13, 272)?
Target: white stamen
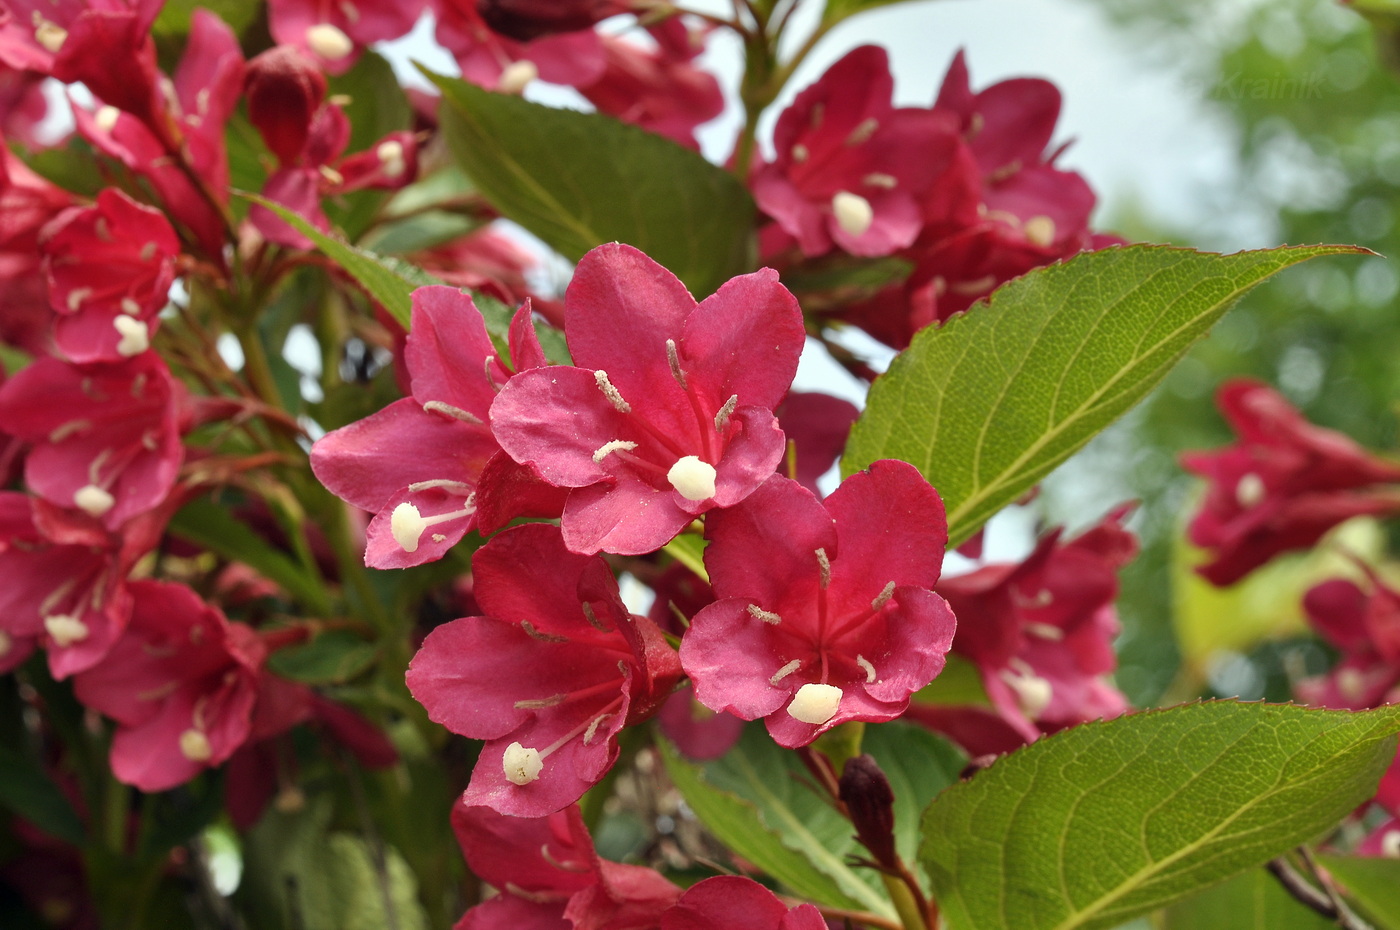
(194, 746)
(1351, 683)
(390, 155)
(725, 412)
(329, 42)
(1033, 693)
(351, 12)
(1044, 631)
(92, 500)
(516, 75)
(65, 630)
(76, 297)
(864, 663)
(883, 181)
(1039, 230)
(608, 448)
(611, 393)
(1390, 844)
(673, 359)
(785, 671)
(1250, 490)
(767, 616)
(7, 643)
(824, 566)
(815, 703)
(592, 730)
(456, 413)
(106, 117)
(863, 131)
(853, 213)
(537, 704)
(883, 597)
(407, 525)
(135, 336)
(800, 153)
(522, 764)
(333, 178)
(692, 478)
(131, 307)
(49, 34)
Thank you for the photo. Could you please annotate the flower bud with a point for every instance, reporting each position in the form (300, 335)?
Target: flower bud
(284, 90)
(869, 800)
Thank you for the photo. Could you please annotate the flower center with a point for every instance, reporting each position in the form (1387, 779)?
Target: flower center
(516, 75)
(194, 745)
(135, 336)
(65, 630)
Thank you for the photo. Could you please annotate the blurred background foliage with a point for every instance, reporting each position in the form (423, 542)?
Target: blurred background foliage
(1315, 113)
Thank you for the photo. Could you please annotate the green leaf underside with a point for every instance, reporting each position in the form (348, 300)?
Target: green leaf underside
(1108, 821)
(758, 800)
(578, 180)
(207, 524)
(1252, 901)
(988, 404)
(331, 658)
(1373, 883)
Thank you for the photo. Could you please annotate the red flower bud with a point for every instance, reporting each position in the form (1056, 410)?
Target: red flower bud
(284, 89)
(869, 800)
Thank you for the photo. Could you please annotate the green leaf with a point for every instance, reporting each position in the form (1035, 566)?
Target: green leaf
(207, 524)
(758, 800)
(989, 403)
(578, 180)
(333, 657)
(1252, 901)
(27, 791)
(1374, 884)
(1107, 821)
(689, 550)
(388, 280)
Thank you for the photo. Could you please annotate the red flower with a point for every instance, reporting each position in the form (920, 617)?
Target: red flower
(334, 32)
(670, 413)
(824, 611)
(548, 677)
(1282, 486)
(732, 902)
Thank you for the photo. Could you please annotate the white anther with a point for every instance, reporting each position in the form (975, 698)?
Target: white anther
(516, 75)
(692, 478)
(1039, 230)
(129, 306)
(613, 395)
(522, 764)
(883, 181)
(106, 117)
(1390, 844)
(864, 663)
(351, 12)
(92, 500)
(1047, 631)
(390, 154)
(135, 336)
(800, 153)
(853, 213)
(329, 42)
(407, 525)
(815, 703)
(725, 412)
(456, 413)
(785, 671)
(673, 359)
(7, 643)
(1033, 693)
(540, 703)
(65, 630)
(608, 448)
(76, 297)
(883, 597)
(863, 131)
(1250, 490)
(50, 35)
(767, 616)
(194, 745)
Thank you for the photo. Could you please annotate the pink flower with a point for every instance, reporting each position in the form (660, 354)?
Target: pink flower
(1364, 626)
(824, 611)
(551, 877)
(498, 62)
(333, 31)
(851, 169)
(110, 267)
(417, 463)
(548, 677)
(106, 436)
(1282, 486)
(1041, 631)
(732, 902)
(817, 425)
(180, 684)
(670, 412)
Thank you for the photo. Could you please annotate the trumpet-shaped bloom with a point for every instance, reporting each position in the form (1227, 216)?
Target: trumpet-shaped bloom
(670, 412)
(548, 677)
(824, 609)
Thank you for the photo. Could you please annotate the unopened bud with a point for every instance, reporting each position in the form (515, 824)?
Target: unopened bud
(284, 89)
(869, 800)
(524, 20)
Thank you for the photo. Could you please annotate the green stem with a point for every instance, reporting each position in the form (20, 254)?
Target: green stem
(910, 914)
